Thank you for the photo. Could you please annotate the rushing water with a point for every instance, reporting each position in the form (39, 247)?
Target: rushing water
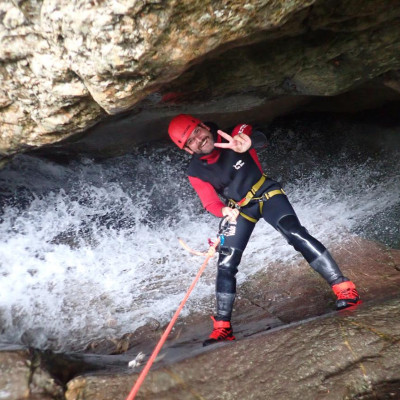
(89, 248)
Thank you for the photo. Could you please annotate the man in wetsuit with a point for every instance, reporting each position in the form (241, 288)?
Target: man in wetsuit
(227, 166)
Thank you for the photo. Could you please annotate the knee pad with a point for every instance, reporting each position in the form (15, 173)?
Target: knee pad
(289, 226)
(229, 259)
(297, 236)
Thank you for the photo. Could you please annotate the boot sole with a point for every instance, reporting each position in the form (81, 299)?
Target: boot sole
(342, 304)
(208, 342)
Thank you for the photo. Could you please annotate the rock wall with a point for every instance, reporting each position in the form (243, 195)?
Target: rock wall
(66, 65)
(347, 356)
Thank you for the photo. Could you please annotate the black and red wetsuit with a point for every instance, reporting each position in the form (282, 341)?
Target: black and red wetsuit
(225, 173)
(230, 175)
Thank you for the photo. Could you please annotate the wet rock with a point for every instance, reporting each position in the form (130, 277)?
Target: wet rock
(127, 341)
(300, 293)
(348, 355)
(22, 377)
(290, 340)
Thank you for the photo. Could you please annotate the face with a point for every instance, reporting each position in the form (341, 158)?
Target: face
(200, 141)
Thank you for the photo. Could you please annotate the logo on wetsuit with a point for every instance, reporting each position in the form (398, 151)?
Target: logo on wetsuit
(239, 164)
(242, 128)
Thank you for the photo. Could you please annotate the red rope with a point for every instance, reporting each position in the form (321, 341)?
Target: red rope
(163, 338)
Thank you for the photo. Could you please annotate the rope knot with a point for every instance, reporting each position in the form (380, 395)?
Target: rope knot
(211, 251)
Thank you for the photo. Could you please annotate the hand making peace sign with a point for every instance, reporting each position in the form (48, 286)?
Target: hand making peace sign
(239, 143)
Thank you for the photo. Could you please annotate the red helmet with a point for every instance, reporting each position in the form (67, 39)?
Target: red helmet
(181, 127)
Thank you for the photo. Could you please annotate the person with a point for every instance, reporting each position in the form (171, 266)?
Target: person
(227, 166)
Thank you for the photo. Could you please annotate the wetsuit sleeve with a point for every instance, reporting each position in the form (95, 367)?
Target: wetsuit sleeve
(208, 196)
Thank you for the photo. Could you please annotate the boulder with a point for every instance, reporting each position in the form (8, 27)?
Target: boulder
(22, 377)
(67, 65)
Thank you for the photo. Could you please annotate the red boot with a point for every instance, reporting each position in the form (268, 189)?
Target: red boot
(222, 331)
(346, 294)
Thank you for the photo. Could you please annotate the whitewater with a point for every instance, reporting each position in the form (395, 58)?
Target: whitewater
(89, 248)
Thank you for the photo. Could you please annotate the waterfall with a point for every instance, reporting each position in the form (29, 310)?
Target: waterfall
(89, 248)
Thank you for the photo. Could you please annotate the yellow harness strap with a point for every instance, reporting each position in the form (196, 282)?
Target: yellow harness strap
(265, 196)
(251, 193)
(272, 193)
(251, 219)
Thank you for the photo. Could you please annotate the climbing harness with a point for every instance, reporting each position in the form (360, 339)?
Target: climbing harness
(210, 253)
(249, 198)
(252, 192)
